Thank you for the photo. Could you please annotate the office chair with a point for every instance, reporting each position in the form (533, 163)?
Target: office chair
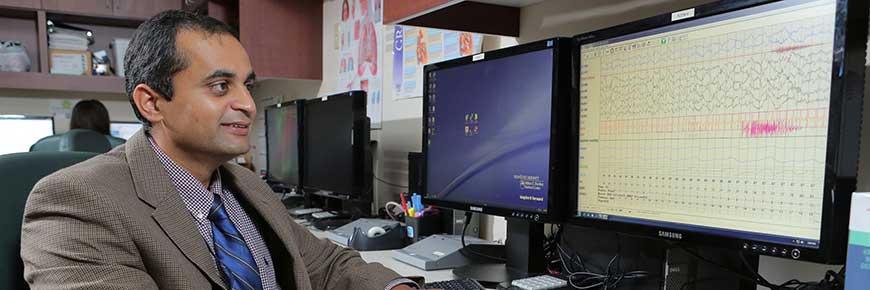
(19, 172)
(81, 140)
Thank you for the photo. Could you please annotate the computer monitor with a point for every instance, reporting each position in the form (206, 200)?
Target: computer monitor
(733, 124)
(124, 130)
(496, 134)
(336, 147)
(283, 124)
(20, 132)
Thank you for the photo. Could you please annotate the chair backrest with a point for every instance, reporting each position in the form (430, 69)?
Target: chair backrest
(84, 140)
(115, 141)
(18, 173)
(50, 143)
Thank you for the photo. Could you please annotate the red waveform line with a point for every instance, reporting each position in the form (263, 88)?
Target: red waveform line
(756, 128)
(793, 47)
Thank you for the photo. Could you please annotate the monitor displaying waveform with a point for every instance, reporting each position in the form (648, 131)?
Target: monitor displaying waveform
(718, 124)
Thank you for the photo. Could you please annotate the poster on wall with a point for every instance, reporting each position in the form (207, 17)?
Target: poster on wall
(360, 66)
(414, 47)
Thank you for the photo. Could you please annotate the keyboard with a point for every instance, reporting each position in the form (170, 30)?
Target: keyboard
(323, 215)
(304, 211)
(458, 284)
(543, 282)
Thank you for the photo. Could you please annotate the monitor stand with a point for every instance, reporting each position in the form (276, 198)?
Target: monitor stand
(523, 255)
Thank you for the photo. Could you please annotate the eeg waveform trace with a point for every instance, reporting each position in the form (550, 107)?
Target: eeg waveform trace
(721, 124)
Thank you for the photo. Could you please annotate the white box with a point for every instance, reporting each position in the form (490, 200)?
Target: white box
(858, 257)
(119, 50)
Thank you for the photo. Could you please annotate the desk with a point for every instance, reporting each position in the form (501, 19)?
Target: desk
(386, 259)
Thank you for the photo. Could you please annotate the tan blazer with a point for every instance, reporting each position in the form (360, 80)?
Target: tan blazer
(117, 222)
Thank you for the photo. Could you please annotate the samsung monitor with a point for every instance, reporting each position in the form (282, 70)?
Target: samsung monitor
(496, 139)
(733, 124)
(492, 131)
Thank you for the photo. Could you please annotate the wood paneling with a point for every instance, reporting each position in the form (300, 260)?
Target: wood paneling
(33, 4)
(466, 16)
(395, 10)
(91, 7)
(283, 38)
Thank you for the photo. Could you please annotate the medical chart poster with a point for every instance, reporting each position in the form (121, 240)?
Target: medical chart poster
(360, 65)
(415, 47)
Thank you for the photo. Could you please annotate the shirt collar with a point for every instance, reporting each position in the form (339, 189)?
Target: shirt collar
(197, 197)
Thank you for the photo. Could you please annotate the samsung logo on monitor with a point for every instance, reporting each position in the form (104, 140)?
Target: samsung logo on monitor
(671, 235)
(475, 208)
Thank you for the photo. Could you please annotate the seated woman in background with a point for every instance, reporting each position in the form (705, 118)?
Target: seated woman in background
(92, 115)
(88, 115)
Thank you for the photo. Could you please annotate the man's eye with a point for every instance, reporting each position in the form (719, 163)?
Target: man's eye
(220, 88)
(250, 86)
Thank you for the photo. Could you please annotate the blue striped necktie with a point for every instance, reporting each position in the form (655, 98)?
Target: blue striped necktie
(233, 255)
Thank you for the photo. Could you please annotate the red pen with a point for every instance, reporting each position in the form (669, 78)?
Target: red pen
(404, 203)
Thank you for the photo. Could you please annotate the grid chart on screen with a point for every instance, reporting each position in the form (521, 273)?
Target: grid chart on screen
(722, 124)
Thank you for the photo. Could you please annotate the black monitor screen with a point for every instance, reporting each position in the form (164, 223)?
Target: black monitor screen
(329, 144)
(282, 143)
(488, 130)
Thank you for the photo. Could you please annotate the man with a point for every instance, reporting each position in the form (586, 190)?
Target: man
(166, 210)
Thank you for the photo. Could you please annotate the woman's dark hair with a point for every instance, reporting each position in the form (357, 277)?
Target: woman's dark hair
(90, 114)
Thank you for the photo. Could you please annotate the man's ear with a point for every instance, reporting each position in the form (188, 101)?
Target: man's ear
(146, 100)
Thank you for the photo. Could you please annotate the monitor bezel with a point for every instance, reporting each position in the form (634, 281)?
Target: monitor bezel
(841, 157)
(560, 115)
(299, 121)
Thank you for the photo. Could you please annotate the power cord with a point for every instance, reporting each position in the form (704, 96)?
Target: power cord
(581, 277)
(832, 280)
(465, 249)
(388, 183)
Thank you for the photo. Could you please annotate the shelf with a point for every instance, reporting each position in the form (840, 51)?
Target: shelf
(456, 15)
(64, 86)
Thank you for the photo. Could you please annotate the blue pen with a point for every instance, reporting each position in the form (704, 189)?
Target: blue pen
(418, 203)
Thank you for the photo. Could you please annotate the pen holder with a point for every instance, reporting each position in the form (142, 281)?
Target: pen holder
(422, 227)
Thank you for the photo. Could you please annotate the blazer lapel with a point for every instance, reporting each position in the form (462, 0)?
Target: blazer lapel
(154, 187)
(273, 213)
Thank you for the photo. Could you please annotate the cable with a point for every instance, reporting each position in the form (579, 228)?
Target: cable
(832, 280)
(585, 278)
(388, 183)
(389, 211)
(465, 248)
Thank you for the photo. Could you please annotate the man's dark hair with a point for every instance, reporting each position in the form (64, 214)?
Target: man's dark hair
(90, 114)
(152, 57)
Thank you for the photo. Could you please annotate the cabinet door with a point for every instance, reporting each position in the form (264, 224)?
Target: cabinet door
(143, 8)
(133, 8)
(36, 4)
(163, 5)
(89, 7)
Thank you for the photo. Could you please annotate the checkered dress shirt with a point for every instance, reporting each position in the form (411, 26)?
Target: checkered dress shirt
(198, 200)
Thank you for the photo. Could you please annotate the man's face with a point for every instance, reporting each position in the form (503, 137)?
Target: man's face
(211, 110)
